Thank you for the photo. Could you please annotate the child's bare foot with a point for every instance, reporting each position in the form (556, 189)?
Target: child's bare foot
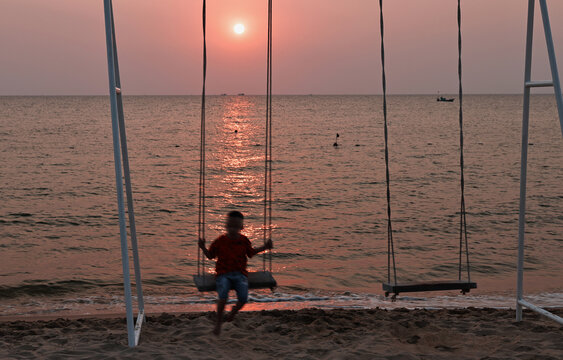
(231, 316)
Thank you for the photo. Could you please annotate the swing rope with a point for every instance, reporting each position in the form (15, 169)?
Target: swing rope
(201, 205)
(390, 245)
(267, 256)
(463, 216)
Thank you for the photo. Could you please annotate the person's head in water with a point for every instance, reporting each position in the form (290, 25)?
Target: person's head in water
(235, 223)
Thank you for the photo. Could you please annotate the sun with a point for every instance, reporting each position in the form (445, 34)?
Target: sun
(238, 28)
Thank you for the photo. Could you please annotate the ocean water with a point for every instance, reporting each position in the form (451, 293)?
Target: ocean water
(59, 237)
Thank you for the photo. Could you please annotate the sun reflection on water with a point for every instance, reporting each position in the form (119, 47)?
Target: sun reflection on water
(239, 159)
(239, 164)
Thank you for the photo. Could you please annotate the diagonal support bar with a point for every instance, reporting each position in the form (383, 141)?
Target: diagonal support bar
(127, 173)
(121, 172)
(541, 311)
(552, 61)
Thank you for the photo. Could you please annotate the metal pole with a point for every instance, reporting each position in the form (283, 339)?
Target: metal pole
(127, 175)
(524, 160)
(552, 62)
(541, 311)
(118, 174)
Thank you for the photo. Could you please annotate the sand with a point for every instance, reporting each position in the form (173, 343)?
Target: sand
(296, 334)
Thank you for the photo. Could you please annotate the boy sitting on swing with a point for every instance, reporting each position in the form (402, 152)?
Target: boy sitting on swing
(231, 250)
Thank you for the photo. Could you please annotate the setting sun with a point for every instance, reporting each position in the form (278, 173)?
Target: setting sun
(239, 28)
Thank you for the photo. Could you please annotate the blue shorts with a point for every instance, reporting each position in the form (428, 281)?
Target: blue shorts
(233, 280)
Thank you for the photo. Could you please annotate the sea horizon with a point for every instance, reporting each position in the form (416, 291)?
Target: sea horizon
(453, 93)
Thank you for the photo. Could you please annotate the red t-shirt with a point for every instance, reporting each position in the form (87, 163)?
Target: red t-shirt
(231, 254)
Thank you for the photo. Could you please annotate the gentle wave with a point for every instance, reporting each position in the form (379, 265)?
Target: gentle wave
(55, 288)
(278, 300)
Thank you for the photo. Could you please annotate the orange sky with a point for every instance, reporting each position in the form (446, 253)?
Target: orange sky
(320, 46)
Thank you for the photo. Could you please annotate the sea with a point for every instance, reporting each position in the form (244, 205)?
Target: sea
(59, 235)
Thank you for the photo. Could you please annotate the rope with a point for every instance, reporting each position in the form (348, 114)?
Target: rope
(268, 147)
(270, 132)
(463, 217)
(390, 245)
(201, 206)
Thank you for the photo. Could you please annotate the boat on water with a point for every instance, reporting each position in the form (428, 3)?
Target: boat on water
(441, 98)
(241, 94)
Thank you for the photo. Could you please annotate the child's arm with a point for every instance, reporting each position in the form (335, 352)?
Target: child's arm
(206, 252)
(267, 246)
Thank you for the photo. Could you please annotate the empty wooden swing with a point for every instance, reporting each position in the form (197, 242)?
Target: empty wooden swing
(392, 286)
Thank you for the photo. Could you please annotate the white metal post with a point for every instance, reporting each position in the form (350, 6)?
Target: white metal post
(128, 188)
(120, 148)
(520, 302)
(524, 158)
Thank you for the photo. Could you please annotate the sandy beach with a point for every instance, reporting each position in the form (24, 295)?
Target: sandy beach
(296, 334)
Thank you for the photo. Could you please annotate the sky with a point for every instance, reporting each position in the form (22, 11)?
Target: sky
(57, 47)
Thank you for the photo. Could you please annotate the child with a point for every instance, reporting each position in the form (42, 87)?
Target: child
(231, 250)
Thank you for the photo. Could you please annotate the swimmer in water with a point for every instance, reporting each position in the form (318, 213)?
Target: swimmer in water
(336, 140)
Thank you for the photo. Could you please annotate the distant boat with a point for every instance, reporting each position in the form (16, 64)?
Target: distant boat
(223, 94)
(241, 94)
(441, 98)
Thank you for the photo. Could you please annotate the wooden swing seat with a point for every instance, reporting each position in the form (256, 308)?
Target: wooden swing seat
(256, 280)
(464, 286)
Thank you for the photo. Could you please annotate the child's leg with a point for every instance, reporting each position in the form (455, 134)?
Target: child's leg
(234, 310)
(241, 287)
(223, 286)
(220, 308)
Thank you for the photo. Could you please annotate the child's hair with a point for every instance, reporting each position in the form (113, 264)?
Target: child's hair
(235, 214)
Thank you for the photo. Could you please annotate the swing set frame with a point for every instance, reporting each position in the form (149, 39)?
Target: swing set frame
(528, 85)
(122, 172)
